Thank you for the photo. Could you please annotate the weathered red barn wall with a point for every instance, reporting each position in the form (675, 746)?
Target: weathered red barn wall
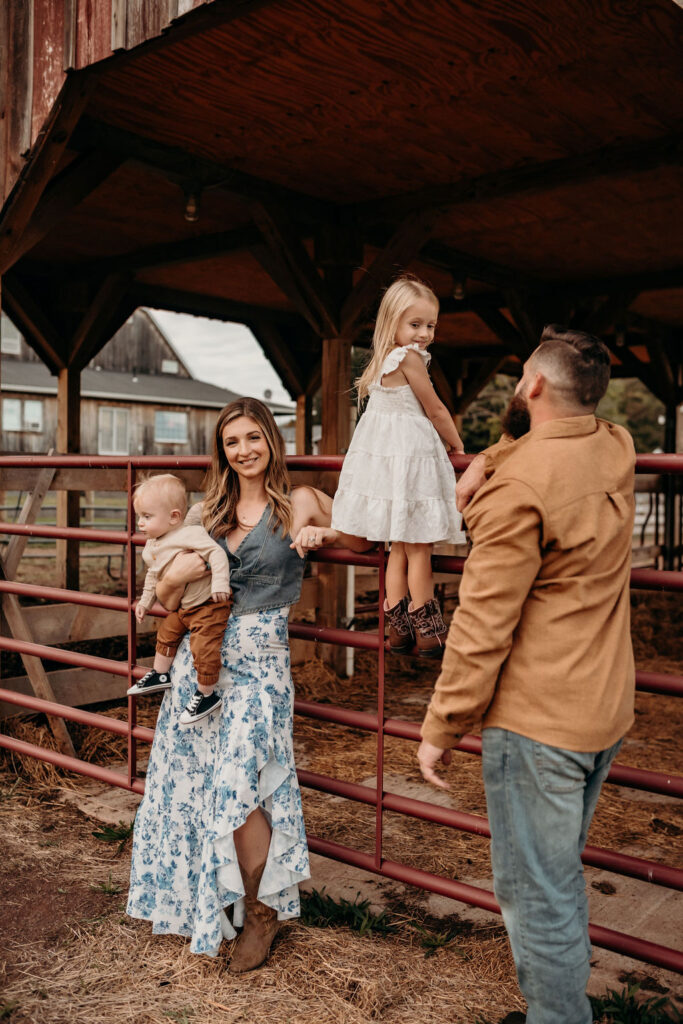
(39, 39)
(48, 58)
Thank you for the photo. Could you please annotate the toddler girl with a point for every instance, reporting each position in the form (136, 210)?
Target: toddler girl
(397, 483)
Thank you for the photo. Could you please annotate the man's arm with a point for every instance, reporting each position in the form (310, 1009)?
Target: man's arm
(506, 523)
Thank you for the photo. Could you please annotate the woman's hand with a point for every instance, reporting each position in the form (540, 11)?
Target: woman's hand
(186, 567)
(140, 612)
(310, 538)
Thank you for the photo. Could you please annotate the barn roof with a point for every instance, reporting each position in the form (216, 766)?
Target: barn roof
(524, 158)
(163, 389)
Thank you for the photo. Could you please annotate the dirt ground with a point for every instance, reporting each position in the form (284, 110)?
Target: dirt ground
(69, 953)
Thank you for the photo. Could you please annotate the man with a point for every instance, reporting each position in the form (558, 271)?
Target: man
(539, 653)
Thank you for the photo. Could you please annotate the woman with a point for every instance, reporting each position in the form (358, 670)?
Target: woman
(221, 822)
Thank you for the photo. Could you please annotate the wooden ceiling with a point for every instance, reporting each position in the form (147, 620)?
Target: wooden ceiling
(527, 150)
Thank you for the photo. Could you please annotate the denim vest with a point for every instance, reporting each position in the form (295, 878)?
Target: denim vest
(264, 571)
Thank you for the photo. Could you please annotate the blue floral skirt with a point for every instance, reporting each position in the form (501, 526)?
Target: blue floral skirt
(203, 782)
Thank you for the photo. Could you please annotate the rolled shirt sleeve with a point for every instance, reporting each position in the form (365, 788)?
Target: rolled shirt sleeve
(505, 519)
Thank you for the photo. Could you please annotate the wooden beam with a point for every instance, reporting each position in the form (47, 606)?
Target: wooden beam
(68, 502)
(400, 250)
(529, 327)
(472, 385)
(304, 435)
(28, 313)
(187, 250)
(66, 191)
(635, 156)
(74, 687)
(606, 311)
(271, 340)
(442, 384)
(294, 271)
(506, 331)
(34, 669)
(663, 369)
(208, 305)
(93, 330)
(634, 367)
(29, 514)
(42, 162)
(336, 403)
(178, 165)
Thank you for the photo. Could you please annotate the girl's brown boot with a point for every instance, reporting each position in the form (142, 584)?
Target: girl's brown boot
(430, 629)
(401, 636)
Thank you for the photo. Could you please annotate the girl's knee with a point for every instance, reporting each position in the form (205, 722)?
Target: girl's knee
(418, 550)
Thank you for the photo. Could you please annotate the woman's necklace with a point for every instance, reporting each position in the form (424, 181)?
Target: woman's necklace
(246, 526)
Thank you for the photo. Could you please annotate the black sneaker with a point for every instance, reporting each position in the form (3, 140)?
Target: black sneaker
(150, 683)
(199, 707)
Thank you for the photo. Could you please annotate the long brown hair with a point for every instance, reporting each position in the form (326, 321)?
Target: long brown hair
(221, 484)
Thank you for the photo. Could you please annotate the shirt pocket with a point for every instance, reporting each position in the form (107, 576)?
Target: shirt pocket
(259, 579)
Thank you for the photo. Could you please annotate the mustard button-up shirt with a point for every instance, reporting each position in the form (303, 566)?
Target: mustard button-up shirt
(540, 643)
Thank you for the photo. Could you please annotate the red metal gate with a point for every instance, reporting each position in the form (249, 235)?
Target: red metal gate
(649, 682)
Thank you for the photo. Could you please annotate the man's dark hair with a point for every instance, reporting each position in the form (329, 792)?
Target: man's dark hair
(575, 363)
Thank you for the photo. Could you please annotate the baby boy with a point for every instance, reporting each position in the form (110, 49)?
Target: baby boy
(160, 504)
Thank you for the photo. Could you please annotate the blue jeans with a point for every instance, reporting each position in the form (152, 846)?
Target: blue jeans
(540, 803)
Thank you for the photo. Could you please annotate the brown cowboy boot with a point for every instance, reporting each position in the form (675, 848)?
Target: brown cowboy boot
(401, 636)
(430, 629)
(260, 927)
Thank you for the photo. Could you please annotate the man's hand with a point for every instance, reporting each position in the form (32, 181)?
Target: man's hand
(470, 482)
(428, 757)
(140, 612)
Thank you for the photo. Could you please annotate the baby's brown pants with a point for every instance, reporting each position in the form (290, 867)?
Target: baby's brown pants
(206, 624)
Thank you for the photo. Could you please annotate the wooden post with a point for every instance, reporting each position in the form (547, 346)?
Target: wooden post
(336, 378)
(304, 437)
(670, 490)
(68, 502)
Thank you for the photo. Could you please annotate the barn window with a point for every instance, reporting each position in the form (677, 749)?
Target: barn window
(170, 427)
(11, 414)
(112, 431)
(169, 366)
(22, 416)
(33, 416)
(10, 339)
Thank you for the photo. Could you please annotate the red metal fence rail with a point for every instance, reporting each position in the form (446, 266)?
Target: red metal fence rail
(648, 682)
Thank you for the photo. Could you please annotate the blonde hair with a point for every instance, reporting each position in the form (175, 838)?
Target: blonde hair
(221, 484)
(170, 489)
(398, 297)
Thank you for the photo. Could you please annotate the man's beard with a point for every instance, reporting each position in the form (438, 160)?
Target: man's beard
(516, 420)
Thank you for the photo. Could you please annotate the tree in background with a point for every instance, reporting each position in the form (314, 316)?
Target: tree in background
(627, 402)
(632, 405)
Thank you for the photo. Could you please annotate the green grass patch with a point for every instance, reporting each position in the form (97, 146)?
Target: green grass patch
(625, 1007)
(120, 834)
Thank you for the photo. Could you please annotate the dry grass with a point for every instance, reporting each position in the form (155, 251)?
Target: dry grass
(96, 965)
(101, 966)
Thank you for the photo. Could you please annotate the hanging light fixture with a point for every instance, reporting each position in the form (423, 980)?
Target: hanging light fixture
(459, 289)
(192, 194)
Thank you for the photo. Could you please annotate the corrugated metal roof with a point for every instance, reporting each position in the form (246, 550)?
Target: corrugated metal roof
(161, 389)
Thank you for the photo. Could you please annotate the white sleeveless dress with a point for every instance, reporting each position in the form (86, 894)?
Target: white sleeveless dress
(397, 482)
